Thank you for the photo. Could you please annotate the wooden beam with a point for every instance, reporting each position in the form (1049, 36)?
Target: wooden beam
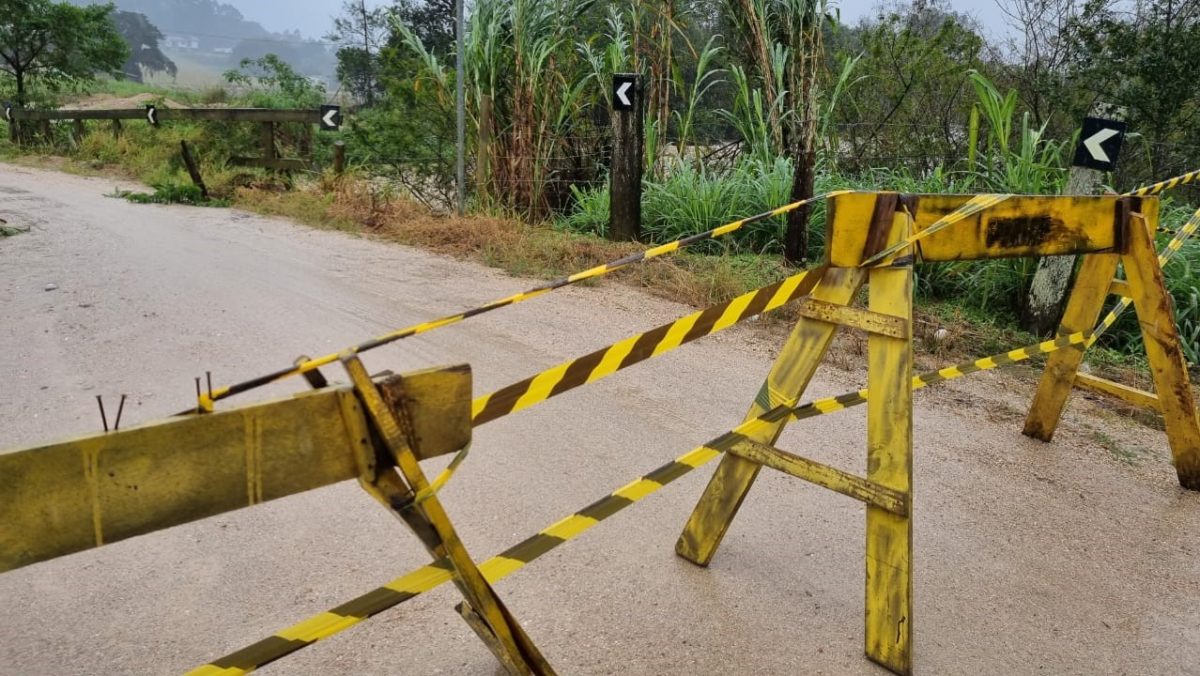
(1021, 225)
(74, 495)
(1120, 287)
(856, 318)
(823, 475)
(166, 114)
(1129, 395)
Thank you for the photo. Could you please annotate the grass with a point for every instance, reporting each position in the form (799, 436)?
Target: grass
(171, 193)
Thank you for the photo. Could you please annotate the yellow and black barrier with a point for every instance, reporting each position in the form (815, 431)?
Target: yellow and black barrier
(873, 238)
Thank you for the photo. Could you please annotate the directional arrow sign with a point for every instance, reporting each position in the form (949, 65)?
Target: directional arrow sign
(152, 115)
(624, 91)
(1099, 144)
(7, 111)
(331, 118)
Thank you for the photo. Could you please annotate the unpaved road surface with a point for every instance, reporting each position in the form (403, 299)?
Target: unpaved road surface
(1079, 557)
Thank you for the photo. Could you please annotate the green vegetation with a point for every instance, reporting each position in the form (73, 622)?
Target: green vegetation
(46, 47)
(171, 193)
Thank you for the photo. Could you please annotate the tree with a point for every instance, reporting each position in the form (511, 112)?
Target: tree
(360, 31)
(783, 42)
(1143, 57)
(57, 44)
(145, 57)
(914, 102)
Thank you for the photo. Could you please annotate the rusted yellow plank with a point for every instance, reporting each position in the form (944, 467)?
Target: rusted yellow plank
(82, 493)
(889, 547)
(1129, 395)
(823, 475)
(1167, 364)
(1083, 310)
(1119, 287)
(1018, 226)
(855, 318)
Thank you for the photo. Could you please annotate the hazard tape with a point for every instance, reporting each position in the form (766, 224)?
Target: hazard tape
(973, 206)
(429, 577)
(513, 559)
(1156, 188)
(636, 349)
(207, 399)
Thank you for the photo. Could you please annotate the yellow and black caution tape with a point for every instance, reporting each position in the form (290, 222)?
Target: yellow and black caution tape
(973, 206)
(636, 349)
(498, 567)
(206, 399)
(504, 564)
(1182, 179)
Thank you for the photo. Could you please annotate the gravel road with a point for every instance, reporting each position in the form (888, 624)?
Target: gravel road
(1079, 557)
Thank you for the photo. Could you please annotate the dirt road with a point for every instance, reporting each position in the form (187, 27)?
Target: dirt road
(1079, 557)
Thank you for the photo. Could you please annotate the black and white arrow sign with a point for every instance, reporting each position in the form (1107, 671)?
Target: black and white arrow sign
(7, 111)
(1099, 144)
(331, 118)
(624, 91)
(152, 115)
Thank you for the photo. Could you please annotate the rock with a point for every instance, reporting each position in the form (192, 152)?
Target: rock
(940, 335)
(51, 287)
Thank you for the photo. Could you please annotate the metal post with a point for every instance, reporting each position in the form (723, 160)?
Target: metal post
(460, 130)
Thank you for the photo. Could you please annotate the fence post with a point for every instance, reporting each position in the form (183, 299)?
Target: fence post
(47, 132)
(193, 168)
(116, 129)
(80, 131)
(339, 157)
(267, 138)
(1048, 290)
(625, 174)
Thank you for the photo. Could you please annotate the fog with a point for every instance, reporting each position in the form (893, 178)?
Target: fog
(313, 17)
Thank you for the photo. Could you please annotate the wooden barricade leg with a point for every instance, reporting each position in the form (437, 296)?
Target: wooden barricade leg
(786, 382)
(1167, 364)
(1082, 313)
(889, 549)
(482, 608)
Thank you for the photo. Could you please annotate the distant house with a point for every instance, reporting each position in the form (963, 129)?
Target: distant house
(181, 42)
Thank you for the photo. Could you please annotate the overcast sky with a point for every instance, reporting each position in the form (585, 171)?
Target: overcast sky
(314, 17)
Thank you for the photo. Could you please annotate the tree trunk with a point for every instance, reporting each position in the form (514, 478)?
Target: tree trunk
(795, 244)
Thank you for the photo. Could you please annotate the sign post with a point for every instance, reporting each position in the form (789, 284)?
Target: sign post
(625, 174)
(1099, 145)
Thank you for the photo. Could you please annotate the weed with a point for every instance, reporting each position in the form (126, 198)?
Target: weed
(170, 193)
(1121, 453)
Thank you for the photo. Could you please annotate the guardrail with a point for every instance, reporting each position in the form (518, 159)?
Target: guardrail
(326, 118)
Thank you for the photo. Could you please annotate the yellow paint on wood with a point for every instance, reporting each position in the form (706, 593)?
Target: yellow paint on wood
(1083, 310)
(1129, 395)
(1018, 226)
(823, 475)
(889, 550)
(1167, 364)
(789, 375)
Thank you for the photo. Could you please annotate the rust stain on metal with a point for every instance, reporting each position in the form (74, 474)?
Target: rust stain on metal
(1021, 231)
